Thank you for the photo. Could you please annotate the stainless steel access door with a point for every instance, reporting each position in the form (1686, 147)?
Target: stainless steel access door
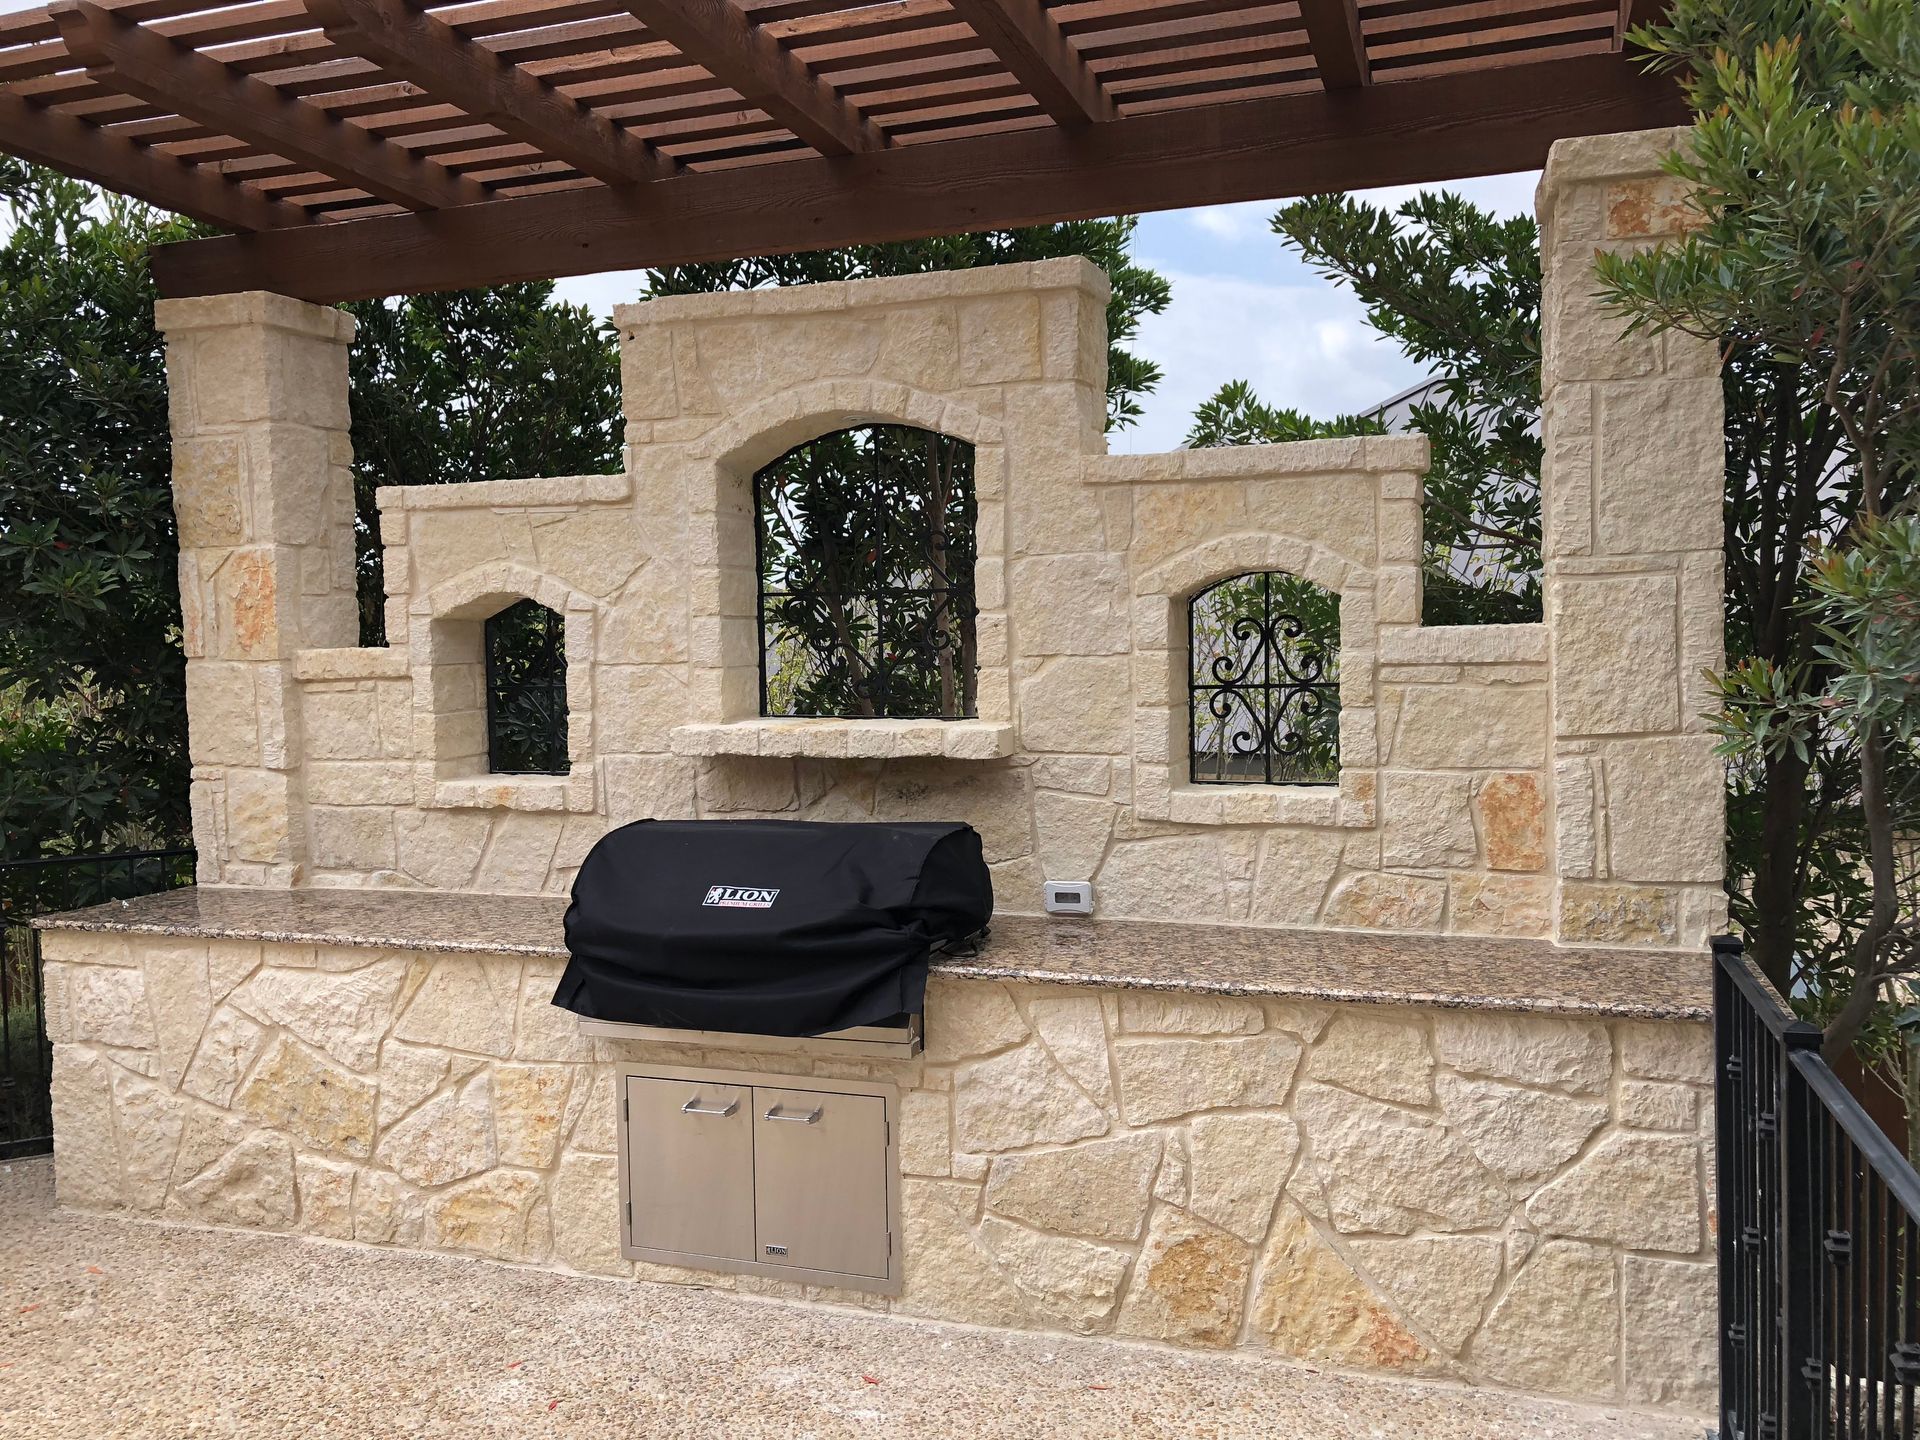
(690, 1167)
(820, 1181)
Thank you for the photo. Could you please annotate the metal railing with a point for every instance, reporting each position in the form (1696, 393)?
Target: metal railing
(1819, 1234)
(42, 887)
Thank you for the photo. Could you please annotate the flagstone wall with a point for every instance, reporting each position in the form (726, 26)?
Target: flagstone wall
(1528, 780)
(1503, 1198)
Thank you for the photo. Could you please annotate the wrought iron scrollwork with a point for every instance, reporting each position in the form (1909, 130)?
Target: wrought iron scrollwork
(526, 691)
(1264, 691)
(866, 548)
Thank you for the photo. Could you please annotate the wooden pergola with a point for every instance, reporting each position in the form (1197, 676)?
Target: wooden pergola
(368, 147)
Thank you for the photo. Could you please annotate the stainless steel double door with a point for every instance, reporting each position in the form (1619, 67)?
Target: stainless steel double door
(749, 1173)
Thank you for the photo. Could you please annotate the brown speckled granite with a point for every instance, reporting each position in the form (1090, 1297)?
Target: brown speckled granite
(1450, 970)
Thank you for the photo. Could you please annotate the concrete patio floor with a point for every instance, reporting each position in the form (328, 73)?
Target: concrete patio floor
(117, 1328)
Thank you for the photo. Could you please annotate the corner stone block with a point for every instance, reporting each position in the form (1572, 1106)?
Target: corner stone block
(1616, 655)
(1660, 460)
(1597, 914)
(1666, 805)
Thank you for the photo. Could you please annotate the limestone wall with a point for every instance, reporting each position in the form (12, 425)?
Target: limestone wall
(1507, 1199)
(1530, 780)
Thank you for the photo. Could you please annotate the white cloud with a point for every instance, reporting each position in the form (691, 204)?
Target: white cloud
(600, 293)
(1504, 195)
(1307, 346)
(1235, 224)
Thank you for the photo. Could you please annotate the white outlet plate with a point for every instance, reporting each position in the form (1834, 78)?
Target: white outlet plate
(1067, 897)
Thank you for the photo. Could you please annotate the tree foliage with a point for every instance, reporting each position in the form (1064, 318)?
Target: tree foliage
(92, 709)
(1137, 291)
(1460, 291)
(1860, 688)
(866, 543)
(474, 385)
(1795, 884)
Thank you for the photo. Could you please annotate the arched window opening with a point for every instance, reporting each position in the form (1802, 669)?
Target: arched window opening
(526, 691)
(866, 553)
(1264, 668)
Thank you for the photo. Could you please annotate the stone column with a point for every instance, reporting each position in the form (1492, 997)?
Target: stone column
(1631, 503)
(263, 490)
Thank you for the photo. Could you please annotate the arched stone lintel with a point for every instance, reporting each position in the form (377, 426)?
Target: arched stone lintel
(777, 424)
(1199, 566)
(487, 589)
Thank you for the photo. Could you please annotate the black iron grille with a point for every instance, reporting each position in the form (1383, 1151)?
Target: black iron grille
(1264, 695)
(526, 691)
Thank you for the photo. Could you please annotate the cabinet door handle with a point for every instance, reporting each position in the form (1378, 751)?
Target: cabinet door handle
(812, 1117)
(694, 1107)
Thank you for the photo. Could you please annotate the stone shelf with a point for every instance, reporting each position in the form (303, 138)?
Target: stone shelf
(1452, 971)
(838, 739)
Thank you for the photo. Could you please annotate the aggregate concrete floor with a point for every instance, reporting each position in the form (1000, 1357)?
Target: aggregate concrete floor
(113, 1328)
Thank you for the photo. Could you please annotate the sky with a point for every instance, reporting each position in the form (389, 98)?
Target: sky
(1244, 308)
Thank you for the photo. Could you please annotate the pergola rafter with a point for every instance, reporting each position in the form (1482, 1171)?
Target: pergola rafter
(412, 43)
(1030, 44)
(1339, 49)
(373, 146)
(165, 73)
(64, 143)
(718, 36)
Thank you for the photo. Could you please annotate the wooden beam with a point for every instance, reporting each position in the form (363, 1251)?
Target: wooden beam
(717, 36)
(1030, 44)
(126, 56)
(47, 137)
(410, 43)
(1339, 49)
(1410, 132)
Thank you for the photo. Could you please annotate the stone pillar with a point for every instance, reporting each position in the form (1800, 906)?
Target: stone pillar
(263, 490)
(1631, 504)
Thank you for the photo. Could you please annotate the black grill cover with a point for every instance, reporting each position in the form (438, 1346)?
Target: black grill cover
(768, 927)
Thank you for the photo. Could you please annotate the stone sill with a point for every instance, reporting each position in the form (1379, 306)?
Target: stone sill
(1254, 805)
(538, 794)
(490, 494)
(388, 663)
(1463, 644)
(836, 739)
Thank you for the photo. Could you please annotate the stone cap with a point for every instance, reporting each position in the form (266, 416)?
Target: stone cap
(260, 308)
(1350, 966)
(1342, 456)
(1070, 272)
(1631, 155)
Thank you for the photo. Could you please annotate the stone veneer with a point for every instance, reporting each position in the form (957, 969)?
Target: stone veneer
(1526, 780)
(1508, 1199)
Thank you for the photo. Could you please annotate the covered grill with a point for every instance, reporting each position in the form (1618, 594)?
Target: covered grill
(768, 927)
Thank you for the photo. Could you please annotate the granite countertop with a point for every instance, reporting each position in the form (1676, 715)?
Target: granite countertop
(1460, 971)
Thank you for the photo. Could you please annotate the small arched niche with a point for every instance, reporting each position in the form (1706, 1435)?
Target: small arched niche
(525, 653)
(865, 543)
(1263, 682)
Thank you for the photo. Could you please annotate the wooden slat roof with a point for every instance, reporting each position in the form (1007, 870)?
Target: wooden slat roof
(360, 147)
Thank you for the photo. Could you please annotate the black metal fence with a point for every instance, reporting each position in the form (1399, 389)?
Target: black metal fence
(41, 887)
(1819, 1235)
